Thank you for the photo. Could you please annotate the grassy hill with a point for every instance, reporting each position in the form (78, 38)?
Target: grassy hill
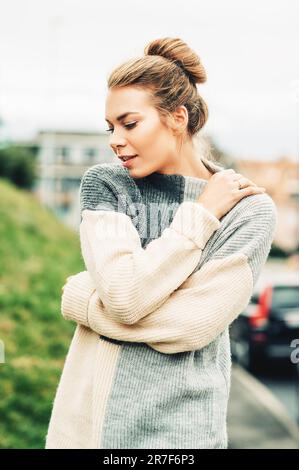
(37, 253)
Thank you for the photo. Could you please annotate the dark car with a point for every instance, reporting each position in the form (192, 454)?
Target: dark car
(265, 330)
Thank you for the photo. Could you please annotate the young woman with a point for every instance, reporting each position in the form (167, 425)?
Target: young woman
(173, 245)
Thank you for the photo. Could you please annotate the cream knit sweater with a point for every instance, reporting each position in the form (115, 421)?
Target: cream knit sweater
(149, 363)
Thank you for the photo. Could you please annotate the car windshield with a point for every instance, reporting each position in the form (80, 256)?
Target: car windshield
(286, 297)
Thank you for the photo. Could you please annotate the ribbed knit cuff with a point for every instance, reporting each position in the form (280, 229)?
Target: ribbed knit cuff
(195, 222)
(76, 296)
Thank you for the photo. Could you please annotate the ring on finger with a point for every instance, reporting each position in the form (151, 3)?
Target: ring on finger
(240, 184)
(243, 182)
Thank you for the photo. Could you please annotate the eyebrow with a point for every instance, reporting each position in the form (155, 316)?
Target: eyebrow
(122, 116)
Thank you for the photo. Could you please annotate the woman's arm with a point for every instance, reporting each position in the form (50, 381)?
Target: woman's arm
(131, 281)
(204, 305)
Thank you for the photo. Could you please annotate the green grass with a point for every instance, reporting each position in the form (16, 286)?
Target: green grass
(37, 253)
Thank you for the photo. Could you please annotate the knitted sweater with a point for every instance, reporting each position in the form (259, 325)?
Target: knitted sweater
(149, 363)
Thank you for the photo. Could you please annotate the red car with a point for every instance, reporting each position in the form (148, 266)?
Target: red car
(267, 329)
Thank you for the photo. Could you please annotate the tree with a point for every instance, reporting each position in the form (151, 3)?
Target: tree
(18, 164)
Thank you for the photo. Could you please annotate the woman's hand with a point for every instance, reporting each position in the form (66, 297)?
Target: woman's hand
(224, 190)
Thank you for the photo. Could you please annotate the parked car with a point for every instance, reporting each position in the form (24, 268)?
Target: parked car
(265, 330)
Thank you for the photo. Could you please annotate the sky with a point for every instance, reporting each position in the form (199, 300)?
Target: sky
(56, 56)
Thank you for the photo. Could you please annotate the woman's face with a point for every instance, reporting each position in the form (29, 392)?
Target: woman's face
(141, 133)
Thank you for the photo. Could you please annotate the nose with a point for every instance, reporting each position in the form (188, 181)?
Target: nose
(116, 142)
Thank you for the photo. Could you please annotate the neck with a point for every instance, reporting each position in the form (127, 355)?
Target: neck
(187, 163)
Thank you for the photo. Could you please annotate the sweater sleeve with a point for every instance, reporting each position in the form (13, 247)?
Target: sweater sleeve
(123, 271)
(203, 306)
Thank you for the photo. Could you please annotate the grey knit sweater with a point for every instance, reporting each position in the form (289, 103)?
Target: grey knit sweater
(149, 364)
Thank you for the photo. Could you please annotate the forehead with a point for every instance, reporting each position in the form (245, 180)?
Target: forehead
(123, 99)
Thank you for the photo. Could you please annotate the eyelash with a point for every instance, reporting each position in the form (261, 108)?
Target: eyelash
(128, 126)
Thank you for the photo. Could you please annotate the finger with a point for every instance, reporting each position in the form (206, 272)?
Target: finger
(244, 182)
(251, 190)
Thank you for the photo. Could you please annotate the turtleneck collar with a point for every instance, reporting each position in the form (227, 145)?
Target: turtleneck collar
(210, 165)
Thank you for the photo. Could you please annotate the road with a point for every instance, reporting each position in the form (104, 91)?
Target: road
(280, 377)
(283, 382)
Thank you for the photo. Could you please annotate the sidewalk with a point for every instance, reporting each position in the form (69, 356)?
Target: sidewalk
(256, 419)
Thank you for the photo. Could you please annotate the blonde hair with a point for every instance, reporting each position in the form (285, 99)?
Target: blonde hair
(169, 71)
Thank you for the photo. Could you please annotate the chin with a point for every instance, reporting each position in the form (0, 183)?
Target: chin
(138, 173)
(135, 173)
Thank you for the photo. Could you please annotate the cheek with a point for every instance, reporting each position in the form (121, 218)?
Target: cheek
(154, 136)
(149, 130)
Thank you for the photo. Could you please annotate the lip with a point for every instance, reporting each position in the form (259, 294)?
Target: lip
(126, 156)
(128, 162)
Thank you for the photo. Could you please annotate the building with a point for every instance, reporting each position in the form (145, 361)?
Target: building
(281, 180)
(63, 157)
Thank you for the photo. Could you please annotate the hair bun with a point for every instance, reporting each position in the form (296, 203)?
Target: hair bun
(177, 51)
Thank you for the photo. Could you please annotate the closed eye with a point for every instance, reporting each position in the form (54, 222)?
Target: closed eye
(128, 126)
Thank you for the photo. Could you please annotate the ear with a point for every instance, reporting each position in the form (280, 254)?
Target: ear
(180, 116)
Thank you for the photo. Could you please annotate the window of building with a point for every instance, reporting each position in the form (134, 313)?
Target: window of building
(63, 154)
(90, 155)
